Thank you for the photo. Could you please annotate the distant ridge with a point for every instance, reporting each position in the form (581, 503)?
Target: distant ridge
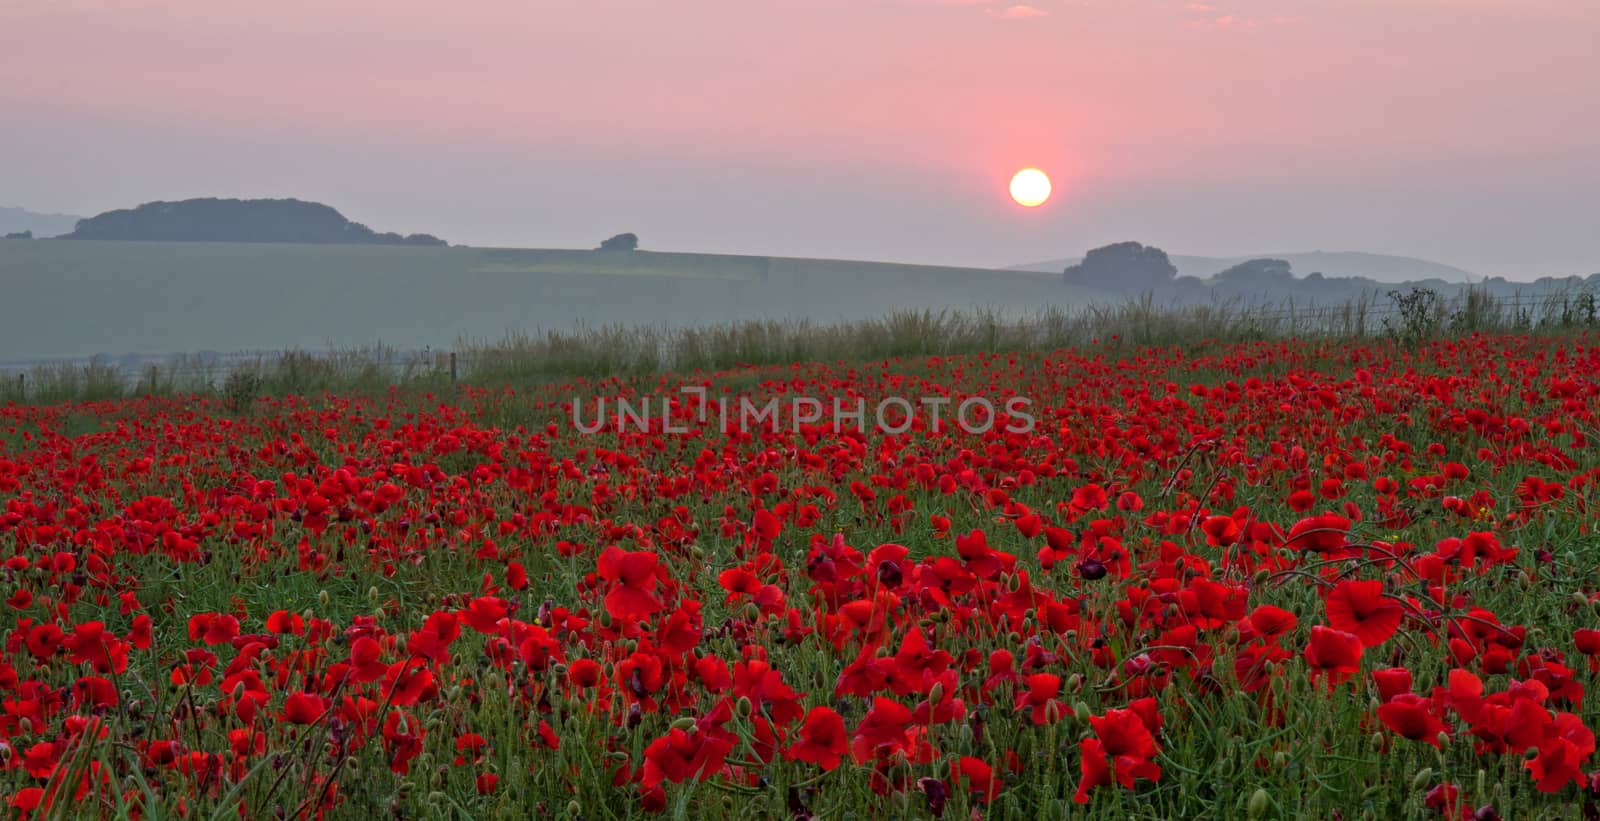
(219, 220)
(18, 220)
(1345, 264)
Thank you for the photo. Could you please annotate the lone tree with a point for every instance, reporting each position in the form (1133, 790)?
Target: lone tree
(1125, 266)
(621, 242)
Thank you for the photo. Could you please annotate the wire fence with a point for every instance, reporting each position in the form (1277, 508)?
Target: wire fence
(620, 351)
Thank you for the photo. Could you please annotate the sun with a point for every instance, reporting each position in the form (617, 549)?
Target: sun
(1030, 187)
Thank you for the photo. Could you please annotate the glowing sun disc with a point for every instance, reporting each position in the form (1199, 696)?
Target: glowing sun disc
(1030, 187)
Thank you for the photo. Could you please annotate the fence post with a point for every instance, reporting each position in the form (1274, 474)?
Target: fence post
(453, 373)
(22, 387)
(154, 375)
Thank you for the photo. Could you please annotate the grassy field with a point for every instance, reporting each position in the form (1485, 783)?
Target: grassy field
(81, 298)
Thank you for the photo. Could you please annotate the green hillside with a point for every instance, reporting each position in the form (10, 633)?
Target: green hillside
(79, 298)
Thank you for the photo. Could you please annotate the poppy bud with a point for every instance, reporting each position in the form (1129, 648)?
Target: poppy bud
(372, 593)
(966, 735)
(323, 597)
(574, 808)
(1377, 742)
(1052, 712)
(1075, 682)
(752, 611)
(1280, 759)
(889, 573)
(1258, 804)
(1081, 711)
(1444, 738)
(936, 693)
(936, 792)
(1260, 578)
(697, 552)
(683, 723)
(1422, 778)
(743, 707)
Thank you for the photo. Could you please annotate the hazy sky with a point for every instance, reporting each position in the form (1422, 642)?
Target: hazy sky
(1460, 130)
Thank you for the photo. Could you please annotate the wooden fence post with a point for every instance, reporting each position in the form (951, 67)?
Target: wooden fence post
(22, 387)
(453, 373)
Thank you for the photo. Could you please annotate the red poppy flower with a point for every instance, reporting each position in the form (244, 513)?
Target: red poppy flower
(679, 756)
(1567, 744)
(1361, 608)
(1040, 698)
(1333, 655)
(978, 775)
(882, 731)
(1391, 682)
(1319, 534)
(1414, 717)
(1093, 769)
(633, 577)
(1271, 622)
(823, 740)
(304, 708)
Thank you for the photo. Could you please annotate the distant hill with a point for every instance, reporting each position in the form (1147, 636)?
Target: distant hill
(17, 220)
(1379, 267)
(217, 220)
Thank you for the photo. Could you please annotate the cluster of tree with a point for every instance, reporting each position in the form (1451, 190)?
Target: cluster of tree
(230, 220)
(621, 242)
(20, 235)
(1135, 269)
(1123, 267)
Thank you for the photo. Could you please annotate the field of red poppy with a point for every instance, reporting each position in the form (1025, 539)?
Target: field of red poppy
(1277, 579)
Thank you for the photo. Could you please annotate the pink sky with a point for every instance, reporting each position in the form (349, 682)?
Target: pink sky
(1461, 130)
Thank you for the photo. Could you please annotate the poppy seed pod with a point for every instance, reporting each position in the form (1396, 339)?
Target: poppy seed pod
(1259, 802)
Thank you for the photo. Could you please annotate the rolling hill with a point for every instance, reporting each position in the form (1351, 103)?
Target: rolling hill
(78, 298)
(1380, 267)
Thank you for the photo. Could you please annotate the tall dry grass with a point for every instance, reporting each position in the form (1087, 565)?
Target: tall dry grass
(619, 351)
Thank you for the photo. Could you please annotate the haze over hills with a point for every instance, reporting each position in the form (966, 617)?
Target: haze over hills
(79, 298)
(17, 220)
(1380, 267)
